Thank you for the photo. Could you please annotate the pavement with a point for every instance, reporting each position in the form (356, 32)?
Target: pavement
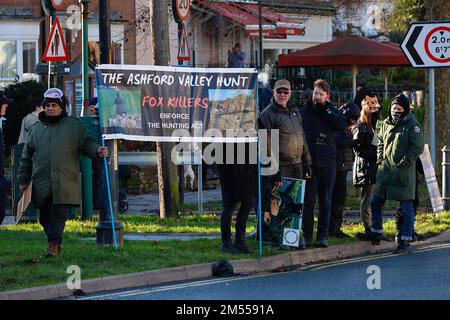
(281, 262)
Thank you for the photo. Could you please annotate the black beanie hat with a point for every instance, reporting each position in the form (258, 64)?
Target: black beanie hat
(402, 101)
(55, 95)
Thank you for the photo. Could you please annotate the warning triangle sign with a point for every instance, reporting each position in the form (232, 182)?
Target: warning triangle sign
(183, 46)
(56, 46)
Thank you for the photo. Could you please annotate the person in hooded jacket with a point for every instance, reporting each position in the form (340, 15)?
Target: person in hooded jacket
(401, 142)
(365, 166)
(344, 158)
(51, 160)
(322, 124)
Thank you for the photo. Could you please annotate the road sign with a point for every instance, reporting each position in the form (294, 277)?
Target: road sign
(59, 69)
(183, 47)
(427, 45)
(183, 8)
(57, 4)
(56, 46)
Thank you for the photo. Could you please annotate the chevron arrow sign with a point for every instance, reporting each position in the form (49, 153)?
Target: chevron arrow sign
(427, 44)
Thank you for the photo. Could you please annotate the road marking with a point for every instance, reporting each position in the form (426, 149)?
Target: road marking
(315, 267)
(177, 286)
(322, 266)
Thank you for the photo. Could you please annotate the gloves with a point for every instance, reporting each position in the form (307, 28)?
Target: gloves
(307, 171)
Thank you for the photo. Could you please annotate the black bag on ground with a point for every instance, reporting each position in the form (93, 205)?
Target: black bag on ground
(222, 268)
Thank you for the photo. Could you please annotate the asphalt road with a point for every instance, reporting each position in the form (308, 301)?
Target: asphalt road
(423, 274)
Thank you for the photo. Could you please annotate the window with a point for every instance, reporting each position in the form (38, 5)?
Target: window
(29, 57)
(8, 60)
(18, 61)
(18, 50)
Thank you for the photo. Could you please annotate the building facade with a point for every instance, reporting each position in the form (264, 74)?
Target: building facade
(24, 32)
(214, 26)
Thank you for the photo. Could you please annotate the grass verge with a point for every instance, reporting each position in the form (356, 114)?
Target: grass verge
(21, 264)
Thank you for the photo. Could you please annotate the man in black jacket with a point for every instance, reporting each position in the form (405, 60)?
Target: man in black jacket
(322, 124)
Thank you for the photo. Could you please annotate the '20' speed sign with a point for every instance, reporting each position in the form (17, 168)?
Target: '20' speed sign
(183, 7)
(428, 44)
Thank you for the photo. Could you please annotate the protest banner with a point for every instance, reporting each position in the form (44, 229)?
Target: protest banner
(286, 211)
(149, 103)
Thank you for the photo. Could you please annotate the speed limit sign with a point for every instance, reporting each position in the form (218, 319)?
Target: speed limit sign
(427, 45)
(57, 4)
(183, 8)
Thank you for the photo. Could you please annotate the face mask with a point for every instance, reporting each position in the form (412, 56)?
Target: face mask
(396, 117)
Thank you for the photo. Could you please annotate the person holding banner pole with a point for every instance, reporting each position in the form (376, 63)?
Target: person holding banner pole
(238, 185)
(294, 156)
(51, 161)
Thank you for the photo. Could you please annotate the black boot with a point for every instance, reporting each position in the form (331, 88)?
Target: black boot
(375, 238)
(403, 247)
(366, 236)
(242, 247)
(227, 247)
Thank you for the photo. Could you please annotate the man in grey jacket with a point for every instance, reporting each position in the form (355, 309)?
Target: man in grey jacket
(295, 160)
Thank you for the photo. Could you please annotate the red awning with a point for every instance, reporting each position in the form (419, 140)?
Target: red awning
(246, 15)
(346, 51)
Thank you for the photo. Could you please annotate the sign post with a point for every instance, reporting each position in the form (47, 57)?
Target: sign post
(427, 45)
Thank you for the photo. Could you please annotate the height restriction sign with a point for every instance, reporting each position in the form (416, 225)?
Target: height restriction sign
(427, 45)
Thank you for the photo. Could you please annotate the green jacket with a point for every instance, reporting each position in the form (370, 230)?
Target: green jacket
(399, 147)
(51, 159)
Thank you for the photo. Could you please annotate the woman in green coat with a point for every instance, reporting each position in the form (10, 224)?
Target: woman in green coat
(401, 141)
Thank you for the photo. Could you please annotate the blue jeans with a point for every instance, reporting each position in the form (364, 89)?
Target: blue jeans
(408, 216)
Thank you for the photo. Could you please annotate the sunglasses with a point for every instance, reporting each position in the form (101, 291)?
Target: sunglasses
(285, 91)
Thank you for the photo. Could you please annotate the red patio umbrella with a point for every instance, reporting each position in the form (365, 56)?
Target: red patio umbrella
(347, 51)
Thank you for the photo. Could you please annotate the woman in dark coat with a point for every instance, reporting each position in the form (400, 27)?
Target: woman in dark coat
(365, 165)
